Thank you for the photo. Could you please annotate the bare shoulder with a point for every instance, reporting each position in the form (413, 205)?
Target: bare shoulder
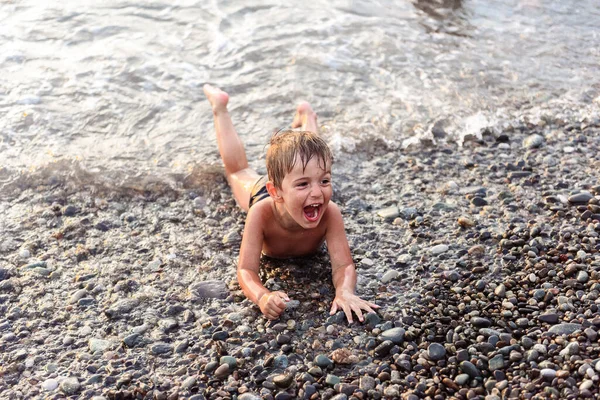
(261, 212)
(333, 214)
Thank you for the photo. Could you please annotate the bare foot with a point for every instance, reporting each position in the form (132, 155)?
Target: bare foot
(218, 98)
(305, 116)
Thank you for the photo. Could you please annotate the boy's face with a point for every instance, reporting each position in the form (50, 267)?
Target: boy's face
(306, 192)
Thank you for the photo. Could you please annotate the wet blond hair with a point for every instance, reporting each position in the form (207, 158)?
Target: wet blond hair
(286, 145)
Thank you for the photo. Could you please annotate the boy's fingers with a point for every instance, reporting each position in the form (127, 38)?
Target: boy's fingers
(334, 308)
(348, 313)
(373, 305)
(358, 313)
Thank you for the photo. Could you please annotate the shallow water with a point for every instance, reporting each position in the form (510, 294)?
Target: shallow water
(112, 90)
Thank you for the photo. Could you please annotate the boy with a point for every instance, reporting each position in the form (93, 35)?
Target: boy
(290, 214)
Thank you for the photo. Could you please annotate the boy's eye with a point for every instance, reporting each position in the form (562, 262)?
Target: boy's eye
(326, 181)
(301, 184)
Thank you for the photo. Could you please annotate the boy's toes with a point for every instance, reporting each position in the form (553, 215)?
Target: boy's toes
(302, 111)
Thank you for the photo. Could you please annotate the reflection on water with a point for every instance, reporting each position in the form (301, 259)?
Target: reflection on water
(117, 85)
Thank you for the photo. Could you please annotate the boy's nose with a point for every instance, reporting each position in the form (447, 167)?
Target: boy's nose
(315, 191)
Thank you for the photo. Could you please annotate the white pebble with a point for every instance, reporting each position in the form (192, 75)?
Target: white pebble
(50, 384)
(439, 249)
(390, 275)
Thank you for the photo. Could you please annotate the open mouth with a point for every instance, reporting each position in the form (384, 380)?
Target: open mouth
(312, 212)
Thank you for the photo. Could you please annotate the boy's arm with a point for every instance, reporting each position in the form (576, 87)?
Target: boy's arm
(270, 303)
(342, 268)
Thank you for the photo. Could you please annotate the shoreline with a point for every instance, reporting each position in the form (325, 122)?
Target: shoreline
(478, 255)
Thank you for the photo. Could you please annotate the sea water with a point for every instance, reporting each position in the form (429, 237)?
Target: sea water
(110, 93)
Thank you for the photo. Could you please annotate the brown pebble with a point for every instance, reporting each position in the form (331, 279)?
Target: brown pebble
(449, 383)
(465, 222)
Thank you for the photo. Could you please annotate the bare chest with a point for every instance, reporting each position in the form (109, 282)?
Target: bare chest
(282, 243)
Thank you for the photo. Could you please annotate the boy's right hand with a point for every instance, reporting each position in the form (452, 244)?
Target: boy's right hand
(272, 304)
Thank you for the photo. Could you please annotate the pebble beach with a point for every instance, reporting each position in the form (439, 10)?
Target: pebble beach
(483, 257)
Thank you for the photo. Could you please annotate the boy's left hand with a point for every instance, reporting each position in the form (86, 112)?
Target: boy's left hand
(349, 302)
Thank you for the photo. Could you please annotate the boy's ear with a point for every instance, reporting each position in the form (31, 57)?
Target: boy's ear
(273, 192)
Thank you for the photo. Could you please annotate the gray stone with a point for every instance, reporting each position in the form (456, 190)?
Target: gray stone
(439, 249)
(580, 198)
(232, 238)
(366, 383)
(323, 361)
(462, 379)
(281, 361)
(70, 385)
(189, 382)
(390, 275)
(122, 307)
(582, 277)
(533, 141)
(549, 318)
(470, 369)
(436, 351)
(395, 335)
(131, 340)
(209, 289)
(496, 362)
(78, 295)
(389, 213)
(99, 345)
(229, 360)
(564, 329)
(409, 213)
(384, 348)
(49, 385)
(249, 396)
(372, 319)
(292, 304)
(332, 380)
(548, 374)
(161, 348)
(479, 322)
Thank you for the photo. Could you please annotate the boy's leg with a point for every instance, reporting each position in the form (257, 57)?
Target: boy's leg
(241, 178)
(305, 118)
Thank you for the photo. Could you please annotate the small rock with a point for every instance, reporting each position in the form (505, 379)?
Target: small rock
(550, 318)
(323, 361)
(564, 329)
(343, 356)
(98, 345)
(161, 348)
(436, 351)
(49, 385)
(283, 380)
(580, 198)
(390, 275)
(479, 322)
(496, 362)
(548, 374)
(332, 380)
(70, 385)
(439, 249)
(222, 371)
(366, 383)
(209, 289)
(470, 369)
(466, 222)
(389, 213)
(395, 335)
(533, 141)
